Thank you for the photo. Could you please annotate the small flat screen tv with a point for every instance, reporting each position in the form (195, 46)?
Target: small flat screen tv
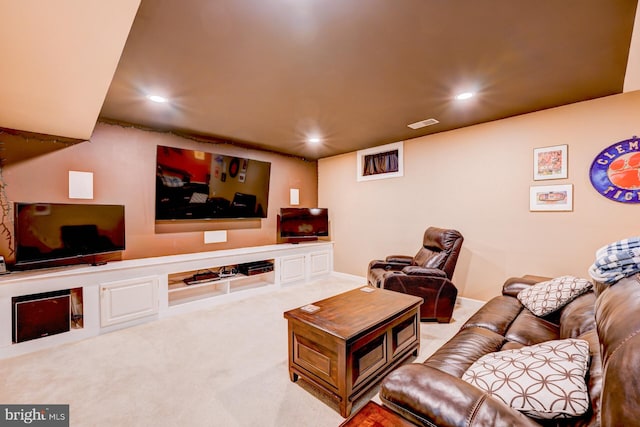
(198, 185)
(50, 233)
(300, 224)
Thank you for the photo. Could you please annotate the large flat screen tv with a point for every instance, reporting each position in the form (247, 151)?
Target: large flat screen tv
(302, 224)
(66, 233)
(198, 185)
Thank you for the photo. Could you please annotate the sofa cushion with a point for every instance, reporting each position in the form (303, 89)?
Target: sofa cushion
(529, 329)
(430, 259)
(546, 297)
(545, 380)
(464, 348)
(594, 378)
(618, 329)
(578, 317)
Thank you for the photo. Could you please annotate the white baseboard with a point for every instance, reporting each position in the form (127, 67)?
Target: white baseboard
(349, 276)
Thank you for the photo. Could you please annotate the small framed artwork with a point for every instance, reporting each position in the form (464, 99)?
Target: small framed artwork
(234, 167)
(241, 177)
(384, 161)
(550, 162)
(551, 198)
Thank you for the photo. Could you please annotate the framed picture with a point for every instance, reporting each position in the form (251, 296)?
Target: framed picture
(550, 162)
(384, 161)
(234, 167)
(551, 198)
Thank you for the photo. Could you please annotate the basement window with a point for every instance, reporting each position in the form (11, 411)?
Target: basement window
(385, 161)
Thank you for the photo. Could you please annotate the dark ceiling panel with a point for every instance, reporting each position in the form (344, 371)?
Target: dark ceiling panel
(270, 73)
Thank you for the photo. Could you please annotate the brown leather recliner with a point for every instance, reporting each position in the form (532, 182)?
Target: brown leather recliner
(427, 274)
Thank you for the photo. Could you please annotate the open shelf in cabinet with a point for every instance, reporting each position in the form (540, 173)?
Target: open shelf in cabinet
(186, 294)
(241, 282)
(180, 292)
(77, 315)
(40, 315)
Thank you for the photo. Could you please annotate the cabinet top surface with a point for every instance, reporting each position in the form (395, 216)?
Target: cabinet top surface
(353, 312)
(163, 261)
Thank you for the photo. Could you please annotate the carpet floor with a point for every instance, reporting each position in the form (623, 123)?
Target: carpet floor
(221, 366)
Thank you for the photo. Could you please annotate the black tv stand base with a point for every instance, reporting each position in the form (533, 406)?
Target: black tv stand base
(296, 240)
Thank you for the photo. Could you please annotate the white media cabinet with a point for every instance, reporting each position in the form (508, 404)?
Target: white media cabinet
(125, 293)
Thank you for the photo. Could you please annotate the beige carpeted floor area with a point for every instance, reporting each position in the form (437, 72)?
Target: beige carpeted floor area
(221, 366)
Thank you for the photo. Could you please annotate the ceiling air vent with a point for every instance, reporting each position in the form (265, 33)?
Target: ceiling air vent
(423, 123)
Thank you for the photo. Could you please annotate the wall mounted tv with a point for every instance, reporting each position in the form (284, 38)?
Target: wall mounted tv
(47, 234)
(302, 224)
(197, 185)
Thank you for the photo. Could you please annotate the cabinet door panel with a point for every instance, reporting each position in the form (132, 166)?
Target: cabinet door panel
(292, 268)
(127, 300)
(320, 263)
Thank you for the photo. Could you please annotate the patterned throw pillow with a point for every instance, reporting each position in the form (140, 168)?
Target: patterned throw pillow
(545, 380)
(546, 297)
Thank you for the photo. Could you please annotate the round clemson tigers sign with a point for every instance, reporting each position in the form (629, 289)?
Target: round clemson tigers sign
(615, 172)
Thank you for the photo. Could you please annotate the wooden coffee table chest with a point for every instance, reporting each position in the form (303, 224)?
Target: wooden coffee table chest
(352, 341)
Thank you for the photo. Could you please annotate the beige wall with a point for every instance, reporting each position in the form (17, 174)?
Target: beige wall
(123, 161)
(477, 180)
(58, 60)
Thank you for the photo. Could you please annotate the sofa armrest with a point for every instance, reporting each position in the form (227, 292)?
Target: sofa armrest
(400, 259)
(514, 285)
(389, 266)
(428, 396)
(414, 270)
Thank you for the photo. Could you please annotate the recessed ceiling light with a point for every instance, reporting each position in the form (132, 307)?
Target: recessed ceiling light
(464, 95)
(157, 98)
(314, 140)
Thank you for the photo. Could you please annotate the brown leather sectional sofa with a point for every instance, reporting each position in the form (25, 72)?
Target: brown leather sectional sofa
(608, 317)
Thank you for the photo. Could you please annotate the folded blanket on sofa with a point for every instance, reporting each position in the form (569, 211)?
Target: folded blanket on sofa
(616, 261)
